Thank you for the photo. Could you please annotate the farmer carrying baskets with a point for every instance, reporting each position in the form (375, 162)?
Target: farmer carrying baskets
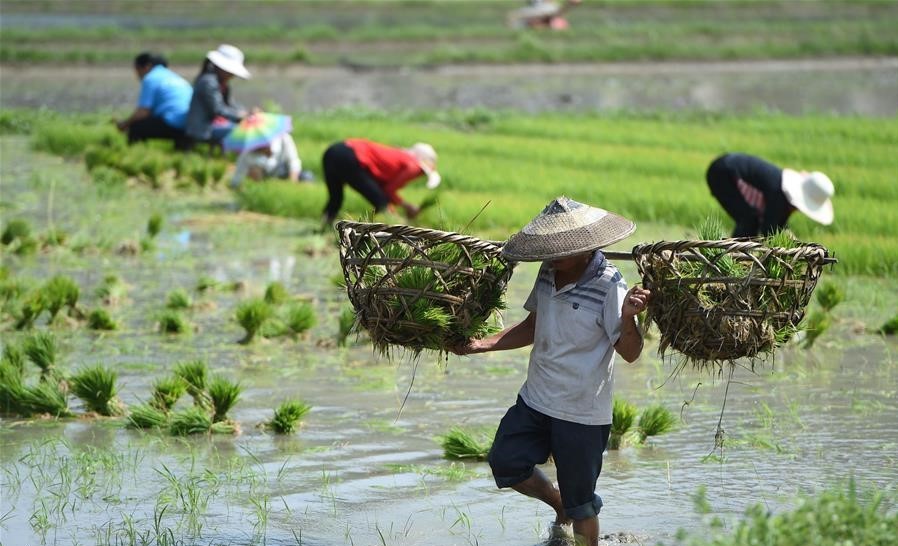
(581, 314)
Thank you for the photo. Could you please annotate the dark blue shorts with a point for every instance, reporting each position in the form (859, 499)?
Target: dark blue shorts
(526, 437)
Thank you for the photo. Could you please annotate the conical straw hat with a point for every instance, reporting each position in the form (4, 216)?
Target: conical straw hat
(564, 228)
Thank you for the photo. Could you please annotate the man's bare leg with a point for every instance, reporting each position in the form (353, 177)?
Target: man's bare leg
(539, 487)
(586, 531)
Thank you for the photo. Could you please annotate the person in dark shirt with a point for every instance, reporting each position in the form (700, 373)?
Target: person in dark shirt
(213, 111)
(760, 196)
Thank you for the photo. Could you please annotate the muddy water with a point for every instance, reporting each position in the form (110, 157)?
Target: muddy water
(865, 86)
(359, 472)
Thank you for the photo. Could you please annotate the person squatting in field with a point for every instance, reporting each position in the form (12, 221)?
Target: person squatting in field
(376, 171)
(580, 315)
(760, 196)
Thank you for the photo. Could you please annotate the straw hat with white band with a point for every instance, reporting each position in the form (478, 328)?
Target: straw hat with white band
(229, 59)
(427, 160)
(811, 193)
(565, 228)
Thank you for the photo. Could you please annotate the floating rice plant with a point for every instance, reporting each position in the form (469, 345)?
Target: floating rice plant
(145, 416)
(276, 294)
(178, 299)
(15, 230)
(42, 350)
(300, 317)
(167, 391)
(96, 387)
(193, 420)
(99, 319)
(224, 395)
(195, 374)
(829, 295)
(890, 327)
(459, 443)
(173, 322)
(287, 416)
(154, 225)
(345, 325)
(59, 292)
(654, 420)
(251, 314)
(623, 415)
(815, 323)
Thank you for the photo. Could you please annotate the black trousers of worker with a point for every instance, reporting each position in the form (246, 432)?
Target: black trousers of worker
(341, 166)
(155, 128)
(722, 183)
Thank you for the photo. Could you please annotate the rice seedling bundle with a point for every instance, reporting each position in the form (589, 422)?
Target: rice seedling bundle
(173, 322)
(47, 397)
(890, 327)
(195, 374)
(654, 421)
(345, 325)
(224, 395)
(167, 392)
(154, 225)
(99, 319)
(15, 229)
(193, 420)
(41, 349)
(419, 288)
(251, 314)
(276, 293)
(146, 416)
(58, 292)
(178, 299)
(96, 387)
(718, 300)
(459, 443)
(301, 317)
(623, 415)
(287, 416)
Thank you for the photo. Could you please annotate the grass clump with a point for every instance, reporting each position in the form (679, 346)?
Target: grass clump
(96, 387)
(288, 416)
(276, 293)
(300, 317)
(146, 416)
(459, 443)
(623, 416)
(251, 315)
(99, 319)
(178, 299)
(224, 395)
(654, 421)
(167, 392)
(173, 322)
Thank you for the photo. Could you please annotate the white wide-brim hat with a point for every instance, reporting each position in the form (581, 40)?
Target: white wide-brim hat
(565, 228)
(811, 193)
(427, 160)
(229, 59)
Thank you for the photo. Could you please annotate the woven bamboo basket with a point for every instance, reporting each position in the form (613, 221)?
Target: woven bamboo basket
(420, 288)
(716, 301)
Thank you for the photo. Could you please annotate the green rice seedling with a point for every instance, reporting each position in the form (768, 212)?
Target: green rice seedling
(217, 170)
(224, 395)
(47, 397)
(173, 322)
(251, 314)
(154, 225)
(54, 237)
(28, 312)
(12, 388)
(273, 327)
(276, 294)
(459, 443)
(338, 280)
(654, 420)
(145, 416)
(193, 420)
(178, 299)
(96, 387)
(26, 246)
(96, 157)
(432, 199)
(13, 355)
(890, 327)
(112, 291)
(99, 319)
(711, 229)
(829, 295)
(301, 317)
(815, 324)
(195, 374)
(15, 230)
(58, 292)
(623, 415)
(108, 179)
(42, 350)
(206, 284)
(167, 391)
(199, 173)
(287, 416)
(345, 325)
(224, 427)
(151, 166)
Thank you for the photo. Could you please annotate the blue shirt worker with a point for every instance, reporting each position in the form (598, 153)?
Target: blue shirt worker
(161, 111)
(580, 315)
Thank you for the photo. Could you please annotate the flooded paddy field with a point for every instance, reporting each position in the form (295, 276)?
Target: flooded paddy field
(359, 471)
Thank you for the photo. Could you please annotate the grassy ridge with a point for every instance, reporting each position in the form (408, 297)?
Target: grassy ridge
(420, 33)
(650, 168)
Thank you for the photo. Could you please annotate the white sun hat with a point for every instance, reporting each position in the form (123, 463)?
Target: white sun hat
(427, 160)
(229, 59)
(565, 228)
(811, 193)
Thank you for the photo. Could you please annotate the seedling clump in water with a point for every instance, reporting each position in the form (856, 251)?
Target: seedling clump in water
(251, 314)
(287, 416)
(96, 387)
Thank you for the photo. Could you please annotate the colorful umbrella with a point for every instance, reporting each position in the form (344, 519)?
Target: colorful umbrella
(256, 131)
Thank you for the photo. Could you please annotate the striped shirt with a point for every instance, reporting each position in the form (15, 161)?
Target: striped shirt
(752, 195)
(571, 370)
